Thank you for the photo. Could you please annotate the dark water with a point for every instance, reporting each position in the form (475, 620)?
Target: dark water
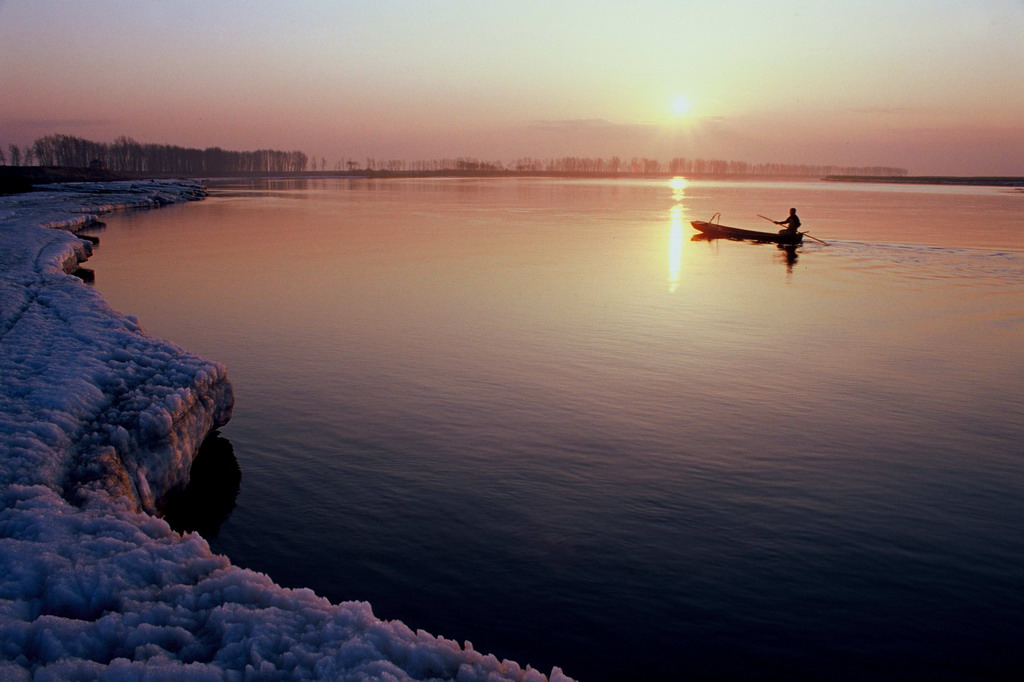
(535, 415)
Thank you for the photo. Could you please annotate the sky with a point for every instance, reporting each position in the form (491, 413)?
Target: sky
(933, 86)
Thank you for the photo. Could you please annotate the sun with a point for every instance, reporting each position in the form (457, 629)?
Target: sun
(680, 106)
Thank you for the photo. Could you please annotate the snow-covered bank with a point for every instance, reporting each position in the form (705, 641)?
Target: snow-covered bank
(91, 404)
(97, 422)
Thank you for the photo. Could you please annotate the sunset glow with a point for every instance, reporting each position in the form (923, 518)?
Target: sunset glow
(677, 185)
(680, 106)
(790, 82)
(675, 247)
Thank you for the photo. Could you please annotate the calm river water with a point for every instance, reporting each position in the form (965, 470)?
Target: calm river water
(535, 415)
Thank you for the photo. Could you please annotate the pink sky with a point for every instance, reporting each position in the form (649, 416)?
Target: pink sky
(936, 87)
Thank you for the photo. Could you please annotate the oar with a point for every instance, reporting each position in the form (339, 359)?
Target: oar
(803, 233)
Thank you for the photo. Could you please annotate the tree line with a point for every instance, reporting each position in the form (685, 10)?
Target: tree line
(635, 165)
(680, 166)
(126, 155)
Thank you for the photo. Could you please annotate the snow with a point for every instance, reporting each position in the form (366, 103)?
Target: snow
(98, 422)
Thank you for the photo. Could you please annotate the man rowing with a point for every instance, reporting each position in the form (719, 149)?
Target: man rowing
(792, 223)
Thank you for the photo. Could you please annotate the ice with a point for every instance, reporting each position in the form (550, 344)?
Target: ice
(98, 423)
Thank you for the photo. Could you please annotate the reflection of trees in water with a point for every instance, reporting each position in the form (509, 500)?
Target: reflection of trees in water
(209, 498)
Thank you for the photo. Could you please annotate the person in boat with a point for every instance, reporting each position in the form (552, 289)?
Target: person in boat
(792, 223)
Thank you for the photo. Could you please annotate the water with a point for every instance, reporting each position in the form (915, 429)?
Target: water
(535, 415)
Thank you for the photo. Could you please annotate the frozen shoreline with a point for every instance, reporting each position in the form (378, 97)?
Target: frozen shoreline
(98, 421)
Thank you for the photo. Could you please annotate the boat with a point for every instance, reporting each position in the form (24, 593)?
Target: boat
(710, 229)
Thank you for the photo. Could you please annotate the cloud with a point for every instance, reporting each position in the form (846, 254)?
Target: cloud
(694, 137)
(66, 122)
(26, 131)
(590, 126)
(880, 110)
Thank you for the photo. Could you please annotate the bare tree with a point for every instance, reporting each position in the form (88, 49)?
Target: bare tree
(125, 154)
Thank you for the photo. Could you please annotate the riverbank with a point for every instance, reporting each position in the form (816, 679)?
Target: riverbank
(980, 181)
(99, 421)
(15, 179)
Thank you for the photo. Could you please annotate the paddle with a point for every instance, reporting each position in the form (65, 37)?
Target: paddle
(814, 238)
(803, 233)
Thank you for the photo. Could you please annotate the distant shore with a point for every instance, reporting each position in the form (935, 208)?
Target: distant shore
(987, 181)
(17, 179)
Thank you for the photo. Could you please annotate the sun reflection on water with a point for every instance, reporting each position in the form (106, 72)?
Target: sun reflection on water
(675, 248)
(678, 185)
(675, 239)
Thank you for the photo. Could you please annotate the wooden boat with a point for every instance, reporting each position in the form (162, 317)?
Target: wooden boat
(712, 230)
